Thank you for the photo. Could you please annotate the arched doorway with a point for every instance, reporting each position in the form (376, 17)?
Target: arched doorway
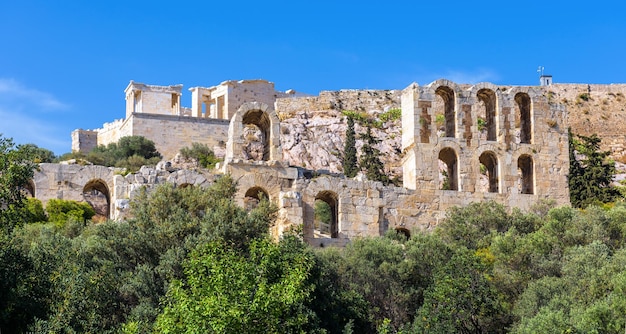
(29, 189)
(253, 197)
(487, 113)
(326, 215)
(403, 231)
(523, 117)
(445, 117)
(97, 194)
(448, 170)
(526, 167)
(489, 167)
(256, 134)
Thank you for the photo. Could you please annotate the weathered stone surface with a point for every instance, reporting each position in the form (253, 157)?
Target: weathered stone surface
(454, 145)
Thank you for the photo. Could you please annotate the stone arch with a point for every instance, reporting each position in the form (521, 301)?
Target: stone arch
(449, 180)
(446, 115)
(254, 133)
(253, 196)
(489, 160)
(526, 166)
(404, 231)
(487, 99)
(97, 194)
(330, 202)
(523, 117)
(29, 188)
(447, 96)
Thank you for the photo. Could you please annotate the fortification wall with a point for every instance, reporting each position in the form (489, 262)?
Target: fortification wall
(84, 140)
(171, 133)
(457, 144)
(113, 131)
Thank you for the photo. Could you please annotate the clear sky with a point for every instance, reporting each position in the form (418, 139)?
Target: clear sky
(64, 64)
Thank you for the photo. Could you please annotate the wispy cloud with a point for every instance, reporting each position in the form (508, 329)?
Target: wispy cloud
(14, 91)
(32, 116)
(469, 77)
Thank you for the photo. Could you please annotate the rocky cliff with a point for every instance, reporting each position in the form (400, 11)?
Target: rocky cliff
(313, 128)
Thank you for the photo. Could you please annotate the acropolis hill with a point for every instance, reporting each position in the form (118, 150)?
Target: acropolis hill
(503, 143)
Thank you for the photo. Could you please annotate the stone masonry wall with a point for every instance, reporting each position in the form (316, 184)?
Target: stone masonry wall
(456, 144)
(171, 133)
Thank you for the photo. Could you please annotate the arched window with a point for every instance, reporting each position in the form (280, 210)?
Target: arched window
(444, 111)
(448, 174)
(29, 189)
(523, 117)
(326, 213)
(97, 194)
(489, 167)
(487, 114)
(404, 232)
(256, 134)
(526, 167)
(253, 196)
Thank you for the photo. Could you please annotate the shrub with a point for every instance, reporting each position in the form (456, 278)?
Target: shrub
(60, 211)
(201, 153)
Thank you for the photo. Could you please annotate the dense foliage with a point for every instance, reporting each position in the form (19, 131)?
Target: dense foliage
(201, 153)
(192, 261)
(16, 170)
(349, 161)
(591, 175)
(129, 152)
(370, 158)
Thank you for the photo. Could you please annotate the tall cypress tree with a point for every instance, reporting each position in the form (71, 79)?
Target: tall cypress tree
(349, 163)
(370, 158)
(590, 178)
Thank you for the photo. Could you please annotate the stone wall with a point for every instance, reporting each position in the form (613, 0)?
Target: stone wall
(171, 133)
(84, 140)
(113, 131)
(455, 144)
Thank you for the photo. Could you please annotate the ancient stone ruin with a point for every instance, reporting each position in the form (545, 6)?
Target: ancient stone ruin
(453, 145)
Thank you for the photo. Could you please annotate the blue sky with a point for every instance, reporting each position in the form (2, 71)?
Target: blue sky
(65, 64)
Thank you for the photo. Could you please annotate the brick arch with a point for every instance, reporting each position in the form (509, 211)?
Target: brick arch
(262, 116)
(487, 155)
(490, 95)
(526, 164)
(523, 101)
(323, 185)
(268, 182)
(448, 91)
(92, 192)
(332, 200)
(253, 196)
(448, 151)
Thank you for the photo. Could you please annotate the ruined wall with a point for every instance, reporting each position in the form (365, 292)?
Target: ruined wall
(171, 133)
(113, 131)
(456, 144)
(84, 140)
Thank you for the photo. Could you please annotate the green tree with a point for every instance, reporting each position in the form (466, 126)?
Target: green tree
(60, 211)
(461, 300)
(225, 291)
(201, 153)
(129, 152)
(37, 154)
(16, 170)
(590, 178)
(349, 163)
(370, 158)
